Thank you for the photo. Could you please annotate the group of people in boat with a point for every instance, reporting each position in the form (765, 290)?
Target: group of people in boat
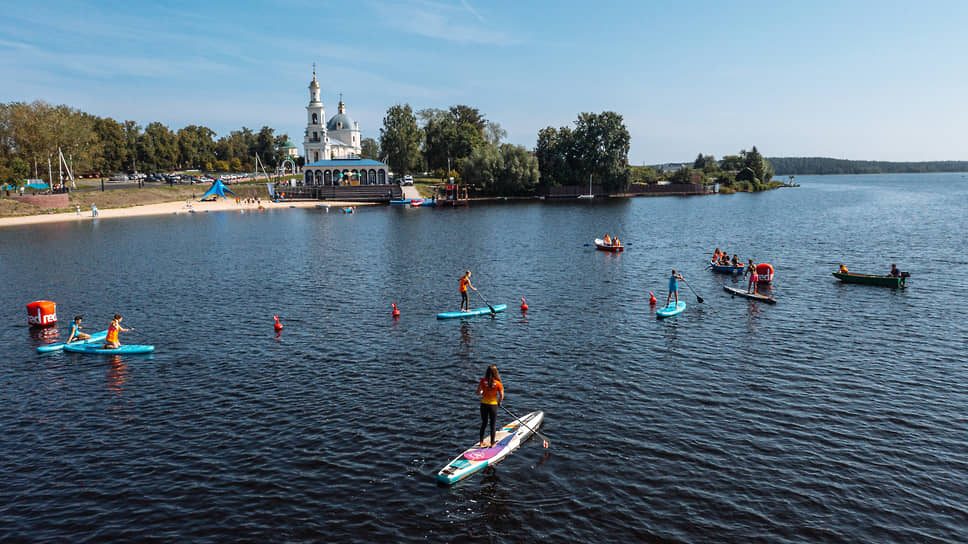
(609, 241)
(894, 273)
(721, 258)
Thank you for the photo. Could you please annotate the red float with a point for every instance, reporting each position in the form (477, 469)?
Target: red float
(277, 325)
(42, 313)
(524, 305)
(396, 312)
(651, 298)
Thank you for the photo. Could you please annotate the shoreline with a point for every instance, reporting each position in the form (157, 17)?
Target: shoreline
(164, 208)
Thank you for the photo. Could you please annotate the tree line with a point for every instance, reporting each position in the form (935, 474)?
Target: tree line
(789, 166)
(30, 134)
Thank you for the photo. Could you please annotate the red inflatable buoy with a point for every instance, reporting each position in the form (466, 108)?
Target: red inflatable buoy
(42, 313)
(651, 298)
(277, 326)
(524, 305)
(396, 312)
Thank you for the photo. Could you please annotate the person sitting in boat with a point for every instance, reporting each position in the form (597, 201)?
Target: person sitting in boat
(725, 260)
(112, 342)
(717, 255)
(616, 242)
(895, 273)
(843, 269)
(608, 240)
(735, 261)
(76, 333)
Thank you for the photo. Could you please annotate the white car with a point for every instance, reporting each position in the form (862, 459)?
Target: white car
(407, 180)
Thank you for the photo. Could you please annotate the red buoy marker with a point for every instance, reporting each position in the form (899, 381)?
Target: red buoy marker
(277, 325)
(524, 305)
(652, 300)
(396, 312)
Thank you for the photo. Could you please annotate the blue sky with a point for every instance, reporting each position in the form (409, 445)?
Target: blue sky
(852, 79)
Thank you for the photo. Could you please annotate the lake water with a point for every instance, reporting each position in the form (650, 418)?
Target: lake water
(837, 415)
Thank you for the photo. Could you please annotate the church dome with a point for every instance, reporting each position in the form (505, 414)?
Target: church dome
(289, 145)
(340, 121)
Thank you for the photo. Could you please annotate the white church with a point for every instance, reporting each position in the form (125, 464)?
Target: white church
(338, 138)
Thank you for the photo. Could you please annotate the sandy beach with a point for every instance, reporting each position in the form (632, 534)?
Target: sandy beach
(168, 208)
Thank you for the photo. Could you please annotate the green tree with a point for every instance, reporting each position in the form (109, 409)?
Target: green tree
(265, 147)
(554, 153)
(196, 146)
(400, 139)
(114, 150)
(369, 149)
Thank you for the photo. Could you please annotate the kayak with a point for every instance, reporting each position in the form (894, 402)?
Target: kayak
(127, 349)
(867, 279)
(474, 459)
(96, 337)
(476, 311)
(741, 293)
(670, 310)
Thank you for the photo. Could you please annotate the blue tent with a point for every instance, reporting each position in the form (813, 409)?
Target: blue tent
(218, 189)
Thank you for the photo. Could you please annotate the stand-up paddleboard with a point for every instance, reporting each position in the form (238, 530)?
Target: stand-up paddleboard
(127, 349)
(476, 311)
(671, 310)
(508, 439)
(96, 337)
(741, 293)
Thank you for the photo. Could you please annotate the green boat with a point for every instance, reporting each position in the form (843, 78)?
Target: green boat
(866, 279)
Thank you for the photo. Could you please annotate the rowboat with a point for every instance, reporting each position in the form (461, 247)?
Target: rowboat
(867, 279)
(725, 269)
(600, 244)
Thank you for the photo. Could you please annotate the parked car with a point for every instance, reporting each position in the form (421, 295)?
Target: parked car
(407, 180)
(119, 177)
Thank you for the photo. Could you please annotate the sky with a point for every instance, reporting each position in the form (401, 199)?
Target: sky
(854, 79)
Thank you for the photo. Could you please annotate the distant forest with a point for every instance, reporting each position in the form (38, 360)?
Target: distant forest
(788, 166)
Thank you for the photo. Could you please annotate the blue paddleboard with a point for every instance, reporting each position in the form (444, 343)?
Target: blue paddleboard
(96, 337)
(476, 311)
(671, 310)
(127, 349)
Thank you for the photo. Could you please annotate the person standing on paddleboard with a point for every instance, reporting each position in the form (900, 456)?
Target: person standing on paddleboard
(674, 286)
(492, 395)
(112, 342)
(76, 333)
(465, 283)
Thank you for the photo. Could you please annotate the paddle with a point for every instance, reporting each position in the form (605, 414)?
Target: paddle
(698, 298)
(485, 301)
(543, 437)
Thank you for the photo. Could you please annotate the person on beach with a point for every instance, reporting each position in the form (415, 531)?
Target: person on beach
(674, 286)
(93, 210)
(76, 333)
(112, 342)
(465, 283)
(492, 395)
(78, 209)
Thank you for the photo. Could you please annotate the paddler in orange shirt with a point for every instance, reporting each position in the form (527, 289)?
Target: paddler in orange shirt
(492, 395)
(465, 282)
(112, 342)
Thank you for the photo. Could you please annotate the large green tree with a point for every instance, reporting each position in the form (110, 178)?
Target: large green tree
(369, 149)
(597, 147)
(400, 139)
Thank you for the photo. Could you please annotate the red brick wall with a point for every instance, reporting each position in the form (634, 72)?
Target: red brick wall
(45, 201)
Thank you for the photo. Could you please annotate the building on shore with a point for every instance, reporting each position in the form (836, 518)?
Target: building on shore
(346, 172)
(338, 138)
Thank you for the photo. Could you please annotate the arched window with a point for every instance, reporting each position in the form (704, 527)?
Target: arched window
(383, 176)
(315, 122)
(308, 176)
(328, 177)
(372, 176)
(319, 177)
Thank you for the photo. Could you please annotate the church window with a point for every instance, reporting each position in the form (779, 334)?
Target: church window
(315, 121)
(372, 176)
(383, 177)
(315, 156)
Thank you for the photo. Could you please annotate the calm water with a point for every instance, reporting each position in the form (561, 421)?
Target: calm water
(837, 415)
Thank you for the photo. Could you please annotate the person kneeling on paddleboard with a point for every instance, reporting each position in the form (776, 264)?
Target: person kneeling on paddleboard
(674, 286)
(76, 333)
(492, 395)
(112, 342)
(465, 282)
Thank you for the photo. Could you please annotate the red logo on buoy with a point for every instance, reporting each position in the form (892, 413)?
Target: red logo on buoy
(42, 313)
